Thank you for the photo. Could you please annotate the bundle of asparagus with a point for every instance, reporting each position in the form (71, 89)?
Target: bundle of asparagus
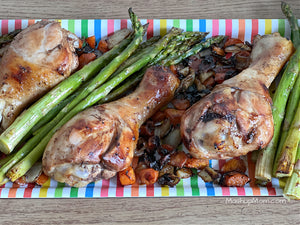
(90, 85)
(279, 159)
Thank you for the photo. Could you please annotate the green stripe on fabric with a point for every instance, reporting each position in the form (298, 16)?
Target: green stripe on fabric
(84, 28)
(281, 27)
(194, 184)
(189, 25)
(176, 23)
(74, 192)
(71, 26)
(59, 190)
(179, 188)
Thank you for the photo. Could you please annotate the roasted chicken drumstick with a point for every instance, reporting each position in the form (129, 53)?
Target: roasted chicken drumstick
(236, 117)
(100, 141)
(37, 59)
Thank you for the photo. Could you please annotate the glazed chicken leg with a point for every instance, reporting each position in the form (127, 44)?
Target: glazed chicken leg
(236, 117)
(37, 59)
(100, 141)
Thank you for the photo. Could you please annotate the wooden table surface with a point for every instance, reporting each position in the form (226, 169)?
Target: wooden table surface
(188, 210)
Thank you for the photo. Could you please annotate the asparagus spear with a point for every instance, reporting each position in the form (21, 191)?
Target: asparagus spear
(264, 163)
(9, 37)
(194, 50)
(27, 162)
(287, 154)
(295, 32)
(23, 124)
(292, 187)
(290, 113)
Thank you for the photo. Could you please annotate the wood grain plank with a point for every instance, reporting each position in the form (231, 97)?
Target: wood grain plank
(114, 9)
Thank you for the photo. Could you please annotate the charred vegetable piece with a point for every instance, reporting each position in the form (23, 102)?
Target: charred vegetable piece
(234, 165)
(234, 179)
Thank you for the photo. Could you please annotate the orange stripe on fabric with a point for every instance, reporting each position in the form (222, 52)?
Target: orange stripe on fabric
(30, 22)
(135, 189)
(251, 171)
(13, 191)
(241, 35)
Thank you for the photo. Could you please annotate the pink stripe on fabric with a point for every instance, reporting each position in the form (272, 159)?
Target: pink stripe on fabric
(228, 29)
(123, 24)
(110, 27)
(104, 188)
(119, 188)
(150, 190)
(271, 189)
(241, 191)
(4, 27)
(215, 27)
(18, 24)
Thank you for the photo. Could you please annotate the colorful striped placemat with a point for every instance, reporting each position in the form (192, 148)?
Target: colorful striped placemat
(244, 29)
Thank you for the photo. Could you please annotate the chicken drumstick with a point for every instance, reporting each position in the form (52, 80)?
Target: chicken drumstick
(236, 117)
(100, 141)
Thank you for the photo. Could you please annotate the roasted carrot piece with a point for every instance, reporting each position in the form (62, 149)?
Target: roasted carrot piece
(127, 176)
(21, 181)
(86, 58)
(80, 43)
(234, 165)
(158, 116)
(232, 41)
(181, 104)
(178, 159)
(173, 69)
(174, 115)
(234, 179)
(103, 46)
(196, 163)
(91, 41)
(148, 176)
(42, 178)
(135, 161)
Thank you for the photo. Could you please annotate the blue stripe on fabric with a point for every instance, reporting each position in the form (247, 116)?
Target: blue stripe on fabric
(202, 25)
(209, 186)
(89, 192)
(97, 30)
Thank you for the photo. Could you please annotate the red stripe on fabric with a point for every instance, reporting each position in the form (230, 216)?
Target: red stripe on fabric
(104, 188)
(225, 191)
(28, 191)
(4, 27)
(18, 24)
(215, 27)
(120, 188)
(228, 30)
(254, 29)
(150, 29)
(110, 27)
(241, 191)
(271, 190)
(221, 163)
(123, 24)
(251, 171)
(150, 190)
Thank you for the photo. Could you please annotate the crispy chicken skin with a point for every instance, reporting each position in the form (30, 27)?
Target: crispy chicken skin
(37, 59)
(236, 117)
(100, 141)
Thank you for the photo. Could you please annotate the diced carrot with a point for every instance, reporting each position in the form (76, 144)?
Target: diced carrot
(218, 50)
(178, 159)
(219, 77)
(41, 179)
(232, 41)
(181, 104)
(91, 41)
(80, 43)
(234, 165)
(196, 163)
(148, 176)
(209, 82)
(173, 69)
(147, 129)
(174, 115)
(158, 116)
(103, 46)
(86, 58)
(135, 161)
(127, 176)
(234, 179)
(21, 181)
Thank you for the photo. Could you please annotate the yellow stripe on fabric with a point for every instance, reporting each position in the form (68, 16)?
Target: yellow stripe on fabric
(165, 191)
(163, 27)
(268, 26)
(44, 189)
